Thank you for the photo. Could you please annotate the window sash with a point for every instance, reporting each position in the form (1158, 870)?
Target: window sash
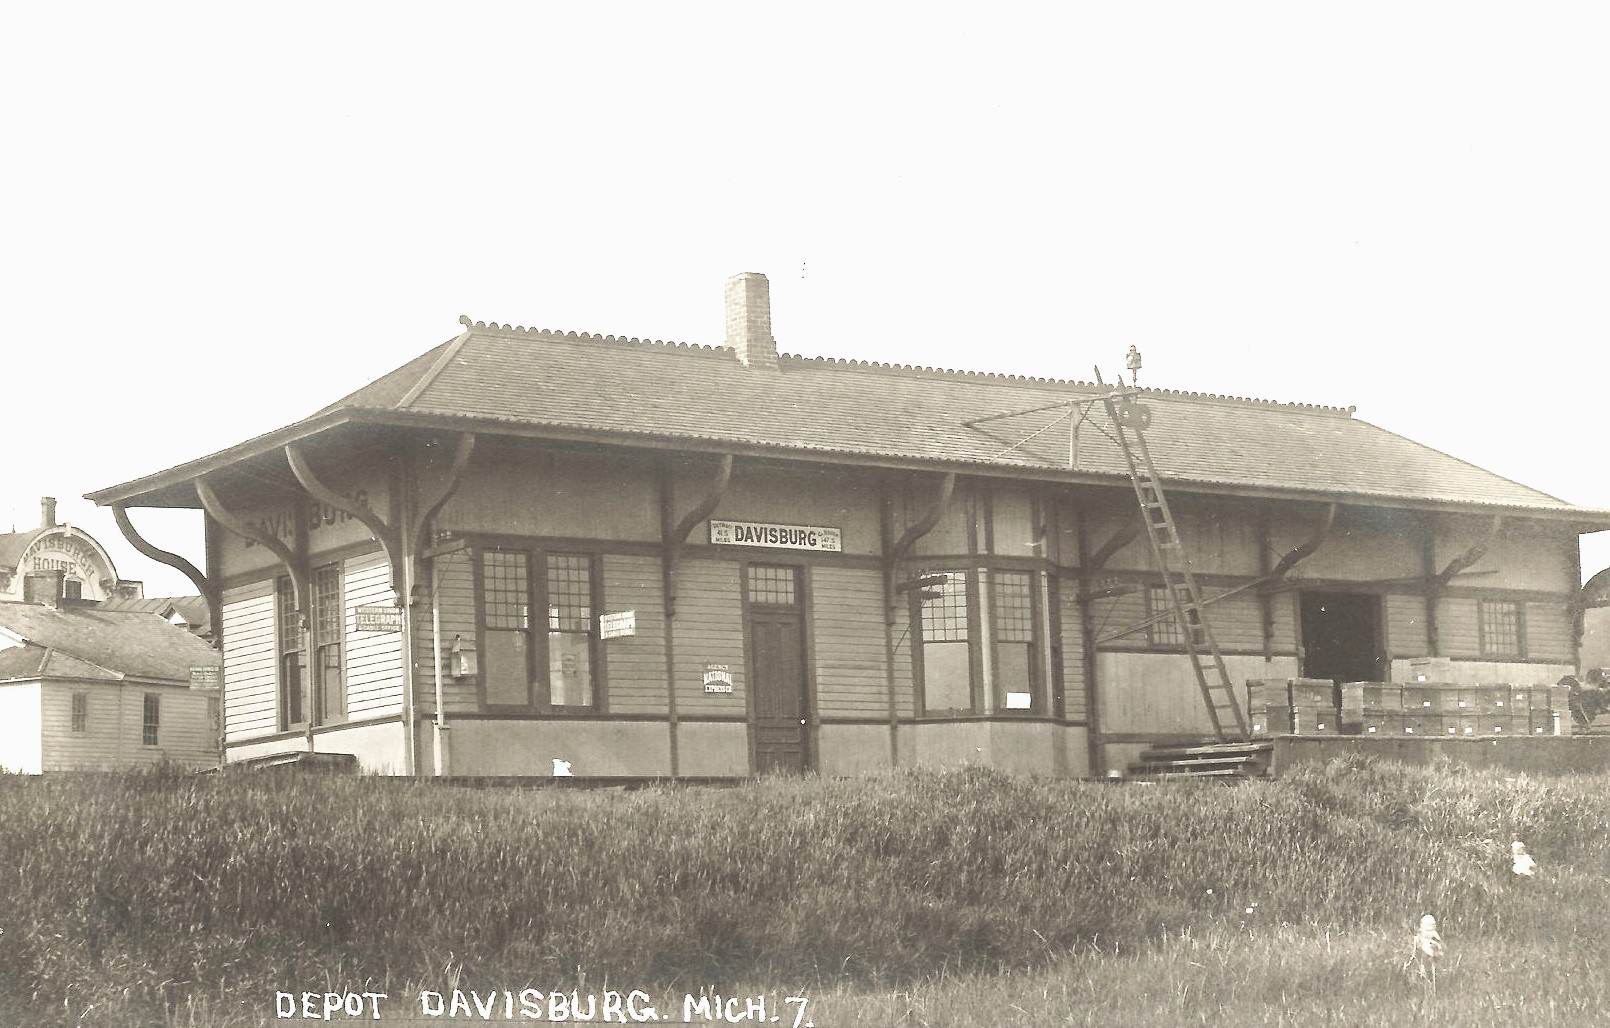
(552, 670)
(1502, 628)
(80, 712)
(151, 722)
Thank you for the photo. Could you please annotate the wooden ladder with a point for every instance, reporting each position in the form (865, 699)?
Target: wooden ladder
(1218, 692)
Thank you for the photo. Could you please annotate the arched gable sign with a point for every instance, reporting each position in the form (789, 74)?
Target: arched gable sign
(74, 553)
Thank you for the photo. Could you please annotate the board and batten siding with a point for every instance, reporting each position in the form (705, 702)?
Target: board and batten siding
(847, 625)
(373, 659)
(635, 663)
(247, 625)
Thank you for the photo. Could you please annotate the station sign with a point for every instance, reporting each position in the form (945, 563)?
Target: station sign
(210, 677)
(780, 537)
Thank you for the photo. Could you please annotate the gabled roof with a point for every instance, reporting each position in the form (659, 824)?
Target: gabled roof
(14, 544)
(495, 378)
(90, 642)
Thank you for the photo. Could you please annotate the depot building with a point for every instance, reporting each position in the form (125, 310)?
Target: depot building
(529, 552)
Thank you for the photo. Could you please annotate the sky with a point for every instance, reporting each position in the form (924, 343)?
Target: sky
(217, 219)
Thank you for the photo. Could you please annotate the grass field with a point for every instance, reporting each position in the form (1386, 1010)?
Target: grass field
(940, 898)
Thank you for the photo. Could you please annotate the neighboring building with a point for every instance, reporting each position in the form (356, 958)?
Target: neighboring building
(627, 559)
(187, 612)
(57, 560)
(86, 689)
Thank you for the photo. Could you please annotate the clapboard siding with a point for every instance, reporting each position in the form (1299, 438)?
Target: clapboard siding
(1549, 634)
(455, 602)
(636, 663)
(1458, 629)
(709, 630)
(1075, 695)
(1406, 625)
(374, 659)
(1237, 621)
(115, 723)
(250, 702)
(851, 656)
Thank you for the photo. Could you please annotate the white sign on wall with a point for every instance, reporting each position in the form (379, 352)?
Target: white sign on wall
(718, 678)
(618, 624)
(782, 537)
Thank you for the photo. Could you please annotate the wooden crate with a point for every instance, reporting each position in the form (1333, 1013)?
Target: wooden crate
(1424, 726)
(1315, 720)
(1422, 699)
(1379, 696)
(1271, 719)
(1313, 692)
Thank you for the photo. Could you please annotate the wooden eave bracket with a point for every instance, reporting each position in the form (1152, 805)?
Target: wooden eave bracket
(172, 560)
(897, 552)
(455, 475)
(246, 530)
(389, 537)
(1473, 555)
(672, 537)
(1304, 550)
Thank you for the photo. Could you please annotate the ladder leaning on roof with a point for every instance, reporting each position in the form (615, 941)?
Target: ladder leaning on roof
(1129, 420)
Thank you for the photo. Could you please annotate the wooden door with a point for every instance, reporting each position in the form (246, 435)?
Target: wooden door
(777, 675)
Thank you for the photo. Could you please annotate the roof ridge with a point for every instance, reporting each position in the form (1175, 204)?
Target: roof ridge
(850, 362)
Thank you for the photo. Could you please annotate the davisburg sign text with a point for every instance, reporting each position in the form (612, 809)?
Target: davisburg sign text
(784, 537)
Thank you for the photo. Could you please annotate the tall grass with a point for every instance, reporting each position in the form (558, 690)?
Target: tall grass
(140, 898)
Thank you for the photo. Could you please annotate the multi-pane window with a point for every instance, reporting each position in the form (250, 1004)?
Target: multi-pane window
(773, 586)
(80, 712)
(570, 630)
(329, 696)
(506, 646)
(1012, 609)
(947, 663)
(292, 657)
(151, 722)
(1501, 630)
(512, 650)
(1164, 629)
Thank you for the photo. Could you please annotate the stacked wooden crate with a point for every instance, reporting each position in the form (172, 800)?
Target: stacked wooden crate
(1425, 709)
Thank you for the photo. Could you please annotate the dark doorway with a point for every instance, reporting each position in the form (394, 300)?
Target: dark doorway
(777, 670)
(1342, 636)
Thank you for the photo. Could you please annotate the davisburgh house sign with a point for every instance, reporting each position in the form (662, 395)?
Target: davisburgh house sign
(783, 537)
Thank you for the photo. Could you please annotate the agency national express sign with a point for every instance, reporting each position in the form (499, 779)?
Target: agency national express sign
(780, 537)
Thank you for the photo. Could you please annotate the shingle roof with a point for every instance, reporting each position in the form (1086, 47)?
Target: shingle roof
(128, 643)
(14, 544)
(564, 380)
(534, 381)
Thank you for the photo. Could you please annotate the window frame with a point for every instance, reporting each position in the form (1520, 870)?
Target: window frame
(290, 652)
(1485, 629)
(151, 720)
(326, 637)
(80, 713)
(970, 621)
(1164, 633)
(1035, 642)
(538, 641)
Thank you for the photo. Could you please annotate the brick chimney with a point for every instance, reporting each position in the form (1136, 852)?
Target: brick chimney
(44, 587)
(749, 320)
(47, 512)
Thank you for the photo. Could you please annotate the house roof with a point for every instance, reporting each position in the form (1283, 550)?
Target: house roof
(88, 641)
(192, 608)
(14, 544)
(495, 378)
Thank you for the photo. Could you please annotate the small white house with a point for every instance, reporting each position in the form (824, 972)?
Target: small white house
(86, 689)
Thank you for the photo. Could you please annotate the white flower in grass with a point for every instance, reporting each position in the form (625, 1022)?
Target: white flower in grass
(1525, 866)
